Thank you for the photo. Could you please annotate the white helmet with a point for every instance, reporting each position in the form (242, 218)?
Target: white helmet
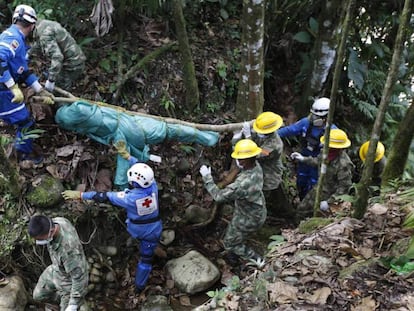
(320, 106)
(141, 174)
(24, 13)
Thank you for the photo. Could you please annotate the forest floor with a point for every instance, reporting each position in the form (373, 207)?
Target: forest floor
(343, 265)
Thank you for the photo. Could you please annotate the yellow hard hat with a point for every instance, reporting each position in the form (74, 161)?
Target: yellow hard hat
(267, 122)
(245, 148)
(337, 139)
(363, 150)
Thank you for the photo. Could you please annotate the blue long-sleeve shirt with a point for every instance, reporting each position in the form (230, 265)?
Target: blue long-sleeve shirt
(14, 57)
(141, 206)
(309, 135)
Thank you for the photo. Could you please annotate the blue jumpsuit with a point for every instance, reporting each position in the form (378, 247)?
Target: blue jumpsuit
(14, 65)
(306, 175)
(143, 221)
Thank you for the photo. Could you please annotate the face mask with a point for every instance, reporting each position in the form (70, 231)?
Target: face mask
(261, 135)
(238, 164)
(318, 121)
(49, 236)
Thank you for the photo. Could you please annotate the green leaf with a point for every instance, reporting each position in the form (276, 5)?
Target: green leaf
(356, 70)
(224, 14)
(302, 36)
(86, 41)
(105, 65)
(314, 25)
(211, 294)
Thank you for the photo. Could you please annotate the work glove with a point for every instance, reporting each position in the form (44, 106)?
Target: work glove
(324, 206)
(17, 94)
(71, 195)
(155, 158)
(205, 170)
(246, 130)
(120, 147)
(237, 135)
(72, 308)
(48, 98)
(297, 156)
(49, 85)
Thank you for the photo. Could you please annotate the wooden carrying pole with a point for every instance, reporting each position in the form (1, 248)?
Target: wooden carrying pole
(231, 127)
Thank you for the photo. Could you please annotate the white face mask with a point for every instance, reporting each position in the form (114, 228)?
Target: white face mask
(49, 236)
(238, 164)
(261, 135)
(318, 121)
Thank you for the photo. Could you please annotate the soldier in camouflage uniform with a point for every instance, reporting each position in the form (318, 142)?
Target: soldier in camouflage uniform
(67, 61)
(246, 191)
(66, 279)
(266, 137)
(379, 164)
(338, 178)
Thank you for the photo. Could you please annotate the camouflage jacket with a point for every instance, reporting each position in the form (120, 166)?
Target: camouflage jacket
(270, 160)
(58, 46)
(246, 191)
(338, 178)
(68, 259)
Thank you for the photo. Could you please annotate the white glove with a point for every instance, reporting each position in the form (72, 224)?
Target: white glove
(205, 170)
(246, 130)
(155, 158)
(324, 206)
(49, 85)
(72, 308)
(237, 135)
(297, 156)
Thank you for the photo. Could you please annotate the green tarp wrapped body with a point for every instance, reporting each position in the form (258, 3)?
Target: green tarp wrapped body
(107, 126)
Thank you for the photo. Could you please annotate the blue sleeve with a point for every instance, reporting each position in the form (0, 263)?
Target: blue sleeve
(116, 198)
(88, 195)
(31, 79)
(5, 54)
(295, 129)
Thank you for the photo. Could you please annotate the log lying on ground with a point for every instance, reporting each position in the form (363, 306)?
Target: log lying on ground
(231, 127)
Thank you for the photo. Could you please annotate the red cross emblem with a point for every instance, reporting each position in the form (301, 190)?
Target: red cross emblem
(147, 203)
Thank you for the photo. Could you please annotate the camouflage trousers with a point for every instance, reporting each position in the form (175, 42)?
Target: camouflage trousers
(305, 207)
(53, 287)
(238, 231)
(69, 75)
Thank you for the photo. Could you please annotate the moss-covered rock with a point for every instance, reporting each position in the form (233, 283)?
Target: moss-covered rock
(361, 265)
(314, 223)
(45, 192)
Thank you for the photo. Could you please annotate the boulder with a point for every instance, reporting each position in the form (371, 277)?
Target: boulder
(13, 295)
(193, 273)
(45, 192)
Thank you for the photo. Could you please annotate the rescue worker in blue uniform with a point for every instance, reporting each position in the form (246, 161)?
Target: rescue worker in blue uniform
(309, 130)
(14, 71)
(141, 205)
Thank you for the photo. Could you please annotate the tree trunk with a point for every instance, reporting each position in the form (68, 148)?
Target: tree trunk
(362, 192)
(250, 92)
(398, 154)
(192, 95)
(334, 90)
(323, 52)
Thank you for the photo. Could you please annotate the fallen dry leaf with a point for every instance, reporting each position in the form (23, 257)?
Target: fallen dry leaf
(319, 296)
(366, 304)
(281, 292)
(185, 301)
(378, 209)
